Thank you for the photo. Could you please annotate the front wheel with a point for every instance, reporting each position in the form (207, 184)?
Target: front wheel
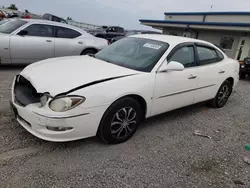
(120, 121)
(222, 95)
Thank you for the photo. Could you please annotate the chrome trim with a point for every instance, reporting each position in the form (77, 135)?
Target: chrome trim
(56, 117)
(185, 91)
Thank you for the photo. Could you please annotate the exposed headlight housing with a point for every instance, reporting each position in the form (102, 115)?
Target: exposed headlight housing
(44, 98)
(65, 103)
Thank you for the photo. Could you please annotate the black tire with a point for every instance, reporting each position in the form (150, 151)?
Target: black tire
(89, 52)
(242, 75)
(121, 130)
(222, 95)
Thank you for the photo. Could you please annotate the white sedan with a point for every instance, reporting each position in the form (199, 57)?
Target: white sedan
(109, 94)
(25, 41)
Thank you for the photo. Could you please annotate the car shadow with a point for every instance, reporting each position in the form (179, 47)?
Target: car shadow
(159, 119)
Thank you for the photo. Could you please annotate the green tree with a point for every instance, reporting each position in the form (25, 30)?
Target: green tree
(12, 7)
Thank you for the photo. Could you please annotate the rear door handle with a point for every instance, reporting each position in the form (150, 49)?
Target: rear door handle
(221, 72)
(48, 40)
(79, 42)
(192, 77)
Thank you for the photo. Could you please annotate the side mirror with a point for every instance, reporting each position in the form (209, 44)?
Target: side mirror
(171, 66)
(23, 32)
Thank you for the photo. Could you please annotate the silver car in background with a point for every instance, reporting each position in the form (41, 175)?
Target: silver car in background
(24, 41)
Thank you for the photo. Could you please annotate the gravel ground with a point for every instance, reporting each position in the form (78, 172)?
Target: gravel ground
(163, 153)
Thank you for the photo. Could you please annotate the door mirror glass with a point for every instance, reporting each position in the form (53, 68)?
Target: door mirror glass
(23, 32)
(171, 66)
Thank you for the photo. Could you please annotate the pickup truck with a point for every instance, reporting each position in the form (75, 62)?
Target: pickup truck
(110, 32)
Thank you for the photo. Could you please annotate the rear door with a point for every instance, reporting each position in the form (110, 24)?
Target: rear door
(66, 43)
(37, 45)
(208, 72)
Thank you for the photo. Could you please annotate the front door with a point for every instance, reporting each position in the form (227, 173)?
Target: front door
(175, 89)
(243, 48)
(36, 45)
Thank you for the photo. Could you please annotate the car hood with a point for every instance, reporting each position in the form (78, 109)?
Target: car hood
(59, 75)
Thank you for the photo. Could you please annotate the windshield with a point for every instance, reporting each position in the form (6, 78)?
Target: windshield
(11, 26)
(134, 53)
(3, 21)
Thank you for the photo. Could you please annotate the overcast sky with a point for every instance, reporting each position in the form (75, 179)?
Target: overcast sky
(125, 13)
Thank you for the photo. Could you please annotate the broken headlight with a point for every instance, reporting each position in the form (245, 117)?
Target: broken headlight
(65, 103)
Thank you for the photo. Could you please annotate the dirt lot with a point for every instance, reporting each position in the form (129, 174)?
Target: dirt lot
(163, 153)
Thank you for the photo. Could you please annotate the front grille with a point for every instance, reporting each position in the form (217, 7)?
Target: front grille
(24, 92)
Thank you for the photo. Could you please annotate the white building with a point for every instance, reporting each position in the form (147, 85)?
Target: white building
(229, 30)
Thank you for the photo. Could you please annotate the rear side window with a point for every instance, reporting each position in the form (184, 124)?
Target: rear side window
(62, 32)
(206, 55)
(40, 30)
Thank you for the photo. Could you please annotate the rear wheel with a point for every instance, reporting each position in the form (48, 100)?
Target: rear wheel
(120, 121)
(242, 75)
(222, 95)
(89, 52)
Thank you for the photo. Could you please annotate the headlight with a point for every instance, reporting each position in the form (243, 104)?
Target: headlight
(65, 103)
(242, 66)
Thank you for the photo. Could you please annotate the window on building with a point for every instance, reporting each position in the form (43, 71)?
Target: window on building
(173, 33)
(227, 42)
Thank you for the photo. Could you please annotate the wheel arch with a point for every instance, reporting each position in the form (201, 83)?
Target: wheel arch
(89, 48)
(231, 80)
(141, 101)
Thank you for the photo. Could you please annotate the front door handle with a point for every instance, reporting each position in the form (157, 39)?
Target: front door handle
(192, 77)
(221, 72)
(48, 40)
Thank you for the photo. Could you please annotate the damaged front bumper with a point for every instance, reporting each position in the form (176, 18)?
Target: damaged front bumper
(56, 126)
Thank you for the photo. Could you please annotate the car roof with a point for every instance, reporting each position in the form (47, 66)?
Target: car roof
(173, 40)
(43, 21)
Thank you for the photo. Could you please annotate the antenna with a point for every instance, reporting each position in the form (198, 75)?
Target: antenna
(211, 8)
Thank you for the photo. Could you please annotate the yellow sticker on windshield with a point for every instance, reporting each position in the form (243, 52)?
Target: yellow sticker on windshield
(153, 46)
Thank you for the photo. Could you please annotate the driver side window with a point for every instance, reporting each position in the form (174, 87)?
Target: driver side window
(184, 55)
(40, 30)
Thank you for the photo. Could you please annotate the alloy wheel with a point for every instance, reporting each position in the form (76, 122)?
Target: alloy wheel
(223, 96)
(123, 123)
